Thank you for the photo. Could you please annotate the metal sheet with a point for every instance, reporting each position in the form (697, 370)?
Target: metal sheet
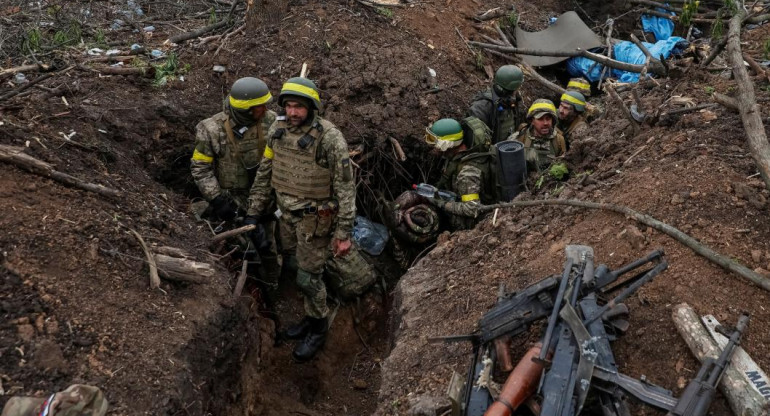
(567, 34)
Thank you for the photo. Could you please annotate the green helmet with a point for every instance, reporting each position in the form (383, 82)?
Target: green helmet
(249, 92)
(575, 99)
(444, 134)
(300, 87)
(540, 107)
(509, 77)
(580, 85)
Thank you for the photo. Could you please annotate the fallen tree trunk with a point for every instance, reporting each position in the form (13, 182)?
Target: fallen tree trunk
(16, 156)
(725, 262)
(742, 397)
(623, 66)
(747, 104)
(183, 270)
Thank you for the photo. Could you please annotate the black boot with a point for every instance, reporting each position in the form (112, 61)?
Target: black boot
(313, 341)
(298, 330)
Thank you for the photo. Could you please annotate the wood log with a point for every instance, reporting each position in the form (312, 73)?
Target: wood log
(761, 72)
(172, 252)
(196, 33)
(16, 156)
(741, 396)
(241, 279)
(747, 104)
(232, 233)
(695, 19)
(183, 270)
(728, 263)
(729, 102)
(148, 72)
(24, 87)
(622, 105)
(22, 68)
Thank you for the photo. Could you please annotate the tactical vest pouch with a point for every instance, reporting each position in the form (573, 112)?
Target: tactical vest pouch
(307, 226)
(351, 275)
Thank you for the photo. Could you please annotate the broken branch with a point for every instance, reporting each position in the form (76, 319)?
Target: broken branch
(154, 278)
(727, 263)
(622, 105)
(232, 233)
(747, 104)
(16, 156)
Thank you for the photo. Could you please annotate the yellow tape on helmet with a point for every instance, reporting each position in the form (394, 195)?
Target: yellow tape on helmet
(246, 104)
(290, 86)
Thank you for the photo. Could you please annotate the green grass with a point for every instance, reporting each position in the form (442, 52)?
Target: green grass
(169, 70)
(384, 11)
(709, 90)
(33, 40)
(509, 21)
(766, 49)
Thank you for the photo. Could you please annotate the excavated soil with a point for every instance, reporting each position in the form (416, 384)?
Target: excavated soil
(74, 297)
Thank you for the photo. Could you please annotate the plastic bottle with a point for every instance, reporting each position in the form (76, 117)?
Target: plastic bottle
(425, 189)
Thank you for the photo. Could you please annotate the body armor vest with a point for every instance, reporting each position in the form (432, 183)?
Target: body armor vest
(538, 150)
(295, 169)
(239, 156)
(477, 154)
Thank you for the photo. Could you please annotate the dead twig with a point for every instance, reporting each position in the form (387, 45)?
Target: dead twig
(154, 277)
(397, 147)
(622, 105)
(25, 86)
(232, 233)
(725, 262)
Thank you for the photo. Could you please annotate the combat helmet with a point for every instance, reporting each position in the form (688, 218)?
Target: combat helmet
(249, 92)
(541, 107)
(580, 85)
(300, 87)
(575, 99)
(444, 134)
(508, 78)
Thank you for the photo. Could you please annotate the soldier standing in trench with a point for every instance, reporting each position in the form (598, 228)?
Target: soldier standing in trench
(543, 142)
(306, 163)
(501, 107)
(571, 119)
(228, 149)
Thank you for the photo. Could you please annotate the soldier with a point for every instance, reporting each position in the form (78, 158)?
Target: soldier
(306, 162)
(228, 148)
(571, 119)
(501, 107)
(468, 173)
(542, 141)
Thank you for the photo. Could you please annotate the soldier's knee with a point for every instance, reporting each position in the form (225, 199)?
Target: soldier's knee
(310, 284)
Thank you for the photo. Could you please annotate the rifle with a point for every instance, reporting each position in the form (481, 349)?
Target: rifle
(697, 396)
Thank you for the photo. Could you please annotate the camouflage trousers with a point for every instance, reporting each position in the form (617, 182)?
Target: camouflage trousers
(308, 237)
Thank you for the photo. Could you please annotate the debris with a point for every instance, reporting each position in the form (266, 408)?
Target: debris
(566, 35)
(370, 236)
(359, 384)
(743, 399)
(26, 332)
(154, 278)
(95, 51)
(149, 28)
(19, 79)
(218, 68)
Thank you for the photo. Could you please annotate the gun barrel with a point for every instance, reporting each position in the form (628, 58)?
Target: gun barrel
(556, 307)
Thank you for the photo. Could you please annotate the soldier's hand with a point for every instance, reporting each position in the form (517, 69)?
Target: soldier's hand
(224, 208)
(341, 247)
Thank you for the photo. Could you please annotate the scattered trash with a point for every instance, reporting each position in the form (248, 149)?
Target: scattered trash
(552, 20)
(136, 46)
(155, 53)
(19, 79)
(117, 64)
(370, 236)
(149, 29)
(112, 52)
(218, 68)
(117, 24)
(181, 78)
(95, 51)
(433, 80)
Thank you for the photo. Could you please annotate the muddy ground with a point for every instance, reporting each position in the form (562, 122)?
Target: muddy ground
(74, 298)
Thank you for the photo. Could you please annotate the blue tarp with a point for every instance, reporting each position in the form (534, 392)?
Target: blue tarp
(625, 51)
(661, 27)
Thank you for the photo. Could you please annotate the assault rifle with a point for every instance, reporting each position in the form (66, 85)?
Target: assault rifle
(574, 356)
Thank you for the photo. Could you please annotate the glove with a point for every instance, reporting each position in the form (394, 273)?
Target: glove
(258, 235)
(224, 208)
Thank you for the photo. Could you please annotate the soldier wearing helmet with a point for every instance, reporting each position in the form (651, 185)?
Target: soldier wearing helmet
(542, 140)
(501, 107)
(468, 173)
(571, 119)
(306, 163)
(228, 148)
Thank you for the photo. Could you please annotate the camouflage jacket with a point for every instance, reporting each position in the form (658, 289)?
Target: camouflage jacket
(502, 118)
(576, 130)
(331, 153)
(216, 166)
(540, 151)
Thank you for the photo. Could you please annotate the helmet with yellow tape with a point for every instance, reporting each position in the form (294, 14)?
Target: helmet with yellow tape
(444, 134)
(575, 99)
(300, 87)
(249, 92)
(580, 85)
(540, 108)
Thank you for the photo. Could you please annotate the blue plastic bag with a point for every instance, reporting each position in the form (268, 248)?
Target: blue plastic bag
(370, 236)
(661, 27)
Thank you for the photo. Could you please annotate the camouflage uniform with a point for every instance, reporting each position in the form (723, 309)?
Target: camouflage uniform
(501, 117)
(576, 130)
(539, 151)
(316, 194)
(468, 174)
(221, 165)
